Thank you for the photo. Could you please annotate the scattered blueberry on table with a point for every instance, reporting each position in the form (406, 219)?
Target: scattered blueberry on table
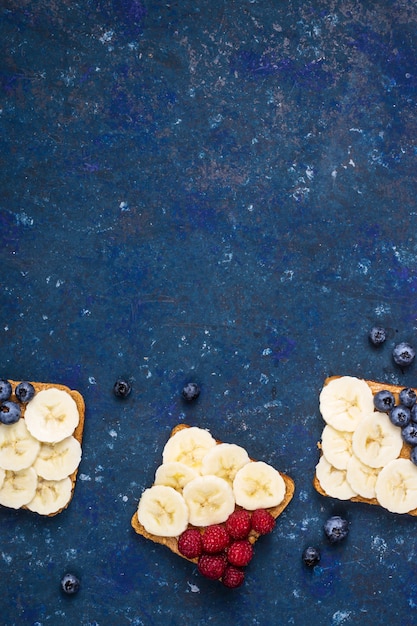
(70, 584)
(122, 388)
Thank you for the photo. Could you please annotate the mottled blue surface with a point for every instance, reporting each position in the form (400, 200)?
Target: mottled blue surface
(219, 191)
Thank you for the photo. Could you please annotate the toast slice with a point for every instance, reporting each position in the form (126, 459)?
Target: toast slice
(172, 542)
(77, 433)
(375, 387)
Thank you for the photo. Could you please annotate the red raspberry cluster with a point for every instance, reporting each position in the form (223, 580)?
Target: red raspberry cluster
(223, 550)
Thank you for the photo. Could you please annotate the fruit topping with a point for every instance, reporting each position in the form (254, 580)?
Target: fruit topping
(70, 584)
(24, 392)
(238, 525)
(190, 544)
(190, 392)
(336, 529)
(262, 521)
(215, 539)
(384, 400)
(403, 354)
(409, 433)
(400, 415)
(212, 566)
(233, 577)
(408, 397)
(9, 412)
(258, 485)
(240, 553)
(311, 556)
(121, 388)
(5, 390)
(377, 335)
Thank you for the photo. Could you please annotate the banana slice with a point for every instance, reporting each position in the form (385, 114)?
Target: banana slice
(18, 449)
(396, 486)
(52, 415)
(162, 511)
(188, 446)
(258, 485)
(56, 461)
(18, 488)
(224, 460)
(336, 446)
(361, 477)
(175, 475)
(209, 500)
(344, 401)
(376, 441)
(333, 481)
(51, 496)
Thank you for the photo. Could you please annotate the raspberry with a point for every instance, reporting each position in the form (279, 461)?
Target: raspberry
(238, 524)
(233, 577)
(215, 538)
(212, 565)
(190, 544)
(262, 521)
(240, 553)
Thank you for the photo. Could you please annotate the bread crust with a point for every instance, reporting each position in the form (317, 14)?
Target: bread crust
(78, 432)
(405, 450)
(172, 542)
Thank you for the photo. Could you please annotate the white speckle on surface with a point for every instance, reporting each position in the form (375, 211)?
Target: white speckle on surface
(113, 433)
(287, 276)
(379, 546)
(266, 351)
(84, 477)
(24, 219)
(309, 172)
(92, 380)
(124, 206)
(334, 174)
(340, 616)
(193, 588)
(99, 479)
(381, 309)
(6, 328)
(6, 558)
(44, 317)
(107, 36)
(59, 282)
(263, 379)
(85, 312)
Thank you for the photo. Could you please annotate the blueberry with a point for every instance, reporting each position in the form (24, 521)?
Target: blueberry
(413, 413)
(24, 391)
(311, 556)
(408, 397)
(403, 354)
(70, 584)
(5, 390)
(409, 433)
(336, 529)
(400, 415)
(9, 412)
(122, 388)
(377, 335)
(384, 400)
(191, 392)
(413, 455)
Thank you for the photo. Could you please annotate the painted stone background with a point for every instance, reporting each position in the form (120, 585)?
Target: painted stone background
(216, 191)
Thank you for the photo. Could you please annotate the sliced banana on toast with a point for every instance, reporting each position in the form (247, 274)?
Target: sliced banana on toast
(200, 482)
(364, 457)
(40, 452)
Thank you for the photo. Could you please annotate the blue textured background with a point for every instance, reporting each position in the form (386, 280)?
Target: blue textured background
(219, 191)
